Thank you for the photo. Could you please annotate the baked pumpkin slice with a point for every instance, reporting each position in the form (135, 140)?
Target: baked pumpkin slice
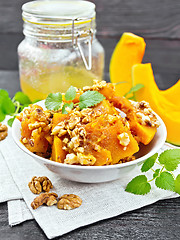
(143, 123)
(110, 134)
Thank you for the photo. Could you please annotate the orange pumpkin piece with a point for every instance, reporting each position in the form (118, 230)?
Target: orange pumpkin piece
(58, 154)
(172, 93)
(25, 131)
(105, 107)
(166, 106)
(105, 135)
(57, 118)
(129, 51)
(49, 138)
(108, 91)
(103, 156)
(40, 145)
(144, 134)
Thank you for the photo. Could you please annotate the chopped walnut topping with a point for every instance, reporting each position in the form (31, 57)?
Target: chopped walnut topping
(74, 143)
(56, 130)
(82, 132)
(36, 125)
(31, 142)
(124, 139)
(127, 159)
(86, 119)
(97, 148)
(97, 85)
(73, 121)
(62, 132)
(80, 159)
(69, 201)
(86, 159)
(68, 109)
(39, 115)
(44, 198)
(65, 140)
(111, 118)
(34, 133)
(3, 131)
(25, 140)
(145, 114)
(71, 159)
(80, 149)
(143, 117)
(39, 184)
(85, 112)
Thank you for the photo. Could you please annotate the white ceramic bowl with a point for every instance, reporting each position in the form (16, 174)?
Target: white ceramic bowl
(95, 174)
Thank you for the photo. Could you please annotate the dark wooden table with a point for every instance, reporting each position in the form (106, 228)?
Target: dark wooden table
(158, 22)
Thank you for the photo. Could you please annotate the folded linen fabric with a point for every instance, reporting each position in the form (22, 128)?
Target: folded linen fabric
(18, 212)
(8, 188)
(100, 201)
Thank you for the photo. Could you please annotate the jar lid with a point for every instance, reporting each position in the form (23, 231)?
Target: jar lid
(57, 11)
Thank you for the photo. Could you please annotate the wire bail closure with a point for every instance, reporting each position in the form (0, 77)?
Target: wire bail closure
(76, 43)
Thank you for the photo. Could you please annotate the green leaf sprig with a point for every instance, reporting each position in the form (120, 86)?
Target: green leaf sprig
(54, 101)
(12, 106)
(163, 176)
(133, 90)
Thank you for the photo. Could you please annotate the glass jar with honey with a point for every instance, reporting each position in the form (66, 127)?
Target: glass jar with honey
(60, 48)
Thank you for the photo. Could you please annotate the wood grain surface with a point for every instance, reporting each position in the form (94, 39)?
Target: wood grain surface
(159, 221)
(158, 21)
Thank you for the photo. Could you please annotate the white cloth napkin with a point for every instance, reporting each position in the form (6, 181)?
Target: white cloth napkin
(100, 201)
(8, 188)
(18, 212)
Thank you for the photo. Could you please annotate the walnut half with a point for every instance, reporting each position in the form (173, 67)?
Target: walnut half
(3, 131)
(39, 184)
(69, 201)
(44, 198)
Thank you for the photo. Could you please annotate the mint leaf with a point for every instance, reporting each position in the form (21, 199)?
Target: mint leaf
(7, 106)
(120, 83)
(53, 101)
(170, 159)
(131, 98)
(177, 184)
(70, 105)
(22, 98)
(10, 121)
(165, 181)
(134, 89)
(156, 173)
(35, 101)
(22, 107)
(149, 163)
(4, 93)
(2, 116)
(70, 94)
(138, 185)
(90, 98)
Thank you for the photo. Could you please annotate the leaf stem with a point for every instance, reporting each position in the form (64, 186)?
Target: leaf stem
(172, 174)
(17, 104)
(75, 104)
(161, 170)
(158, 163)
(152, 179)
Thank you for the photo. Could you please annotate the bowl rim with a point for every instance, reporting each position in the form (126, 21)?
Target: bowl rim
(154, 150)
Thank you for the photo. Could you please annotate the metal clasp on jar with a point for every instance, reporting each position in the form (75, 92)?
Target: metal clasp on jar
(76, 42)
